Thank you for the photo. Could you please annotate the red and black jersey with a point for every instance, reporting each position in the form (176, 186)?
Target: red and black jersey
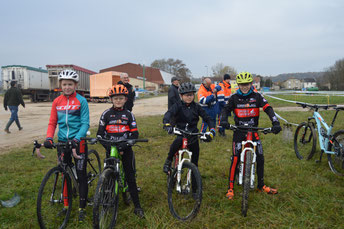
(246, 111)
(117, 124)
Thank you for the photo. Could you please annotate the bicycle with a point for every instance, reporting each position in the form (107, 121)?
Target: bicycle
(60, 185)
(247, 162)
(184, 182)
(111, 183)
(331, 144)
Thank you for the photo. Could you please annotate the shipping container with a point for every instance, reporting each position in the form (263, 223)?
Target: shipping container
(84, 77)
(100, 85)
(32, 81)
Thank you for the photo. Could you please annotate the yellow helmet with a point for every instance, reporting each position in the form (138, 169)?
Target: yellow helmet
(244, 77)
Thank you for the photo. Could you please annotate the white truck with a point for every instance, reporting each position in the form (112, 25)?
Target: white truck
(32, 81)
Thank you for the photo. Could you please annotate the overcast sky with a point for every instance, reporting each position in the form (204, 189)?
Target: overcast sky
(265, 37)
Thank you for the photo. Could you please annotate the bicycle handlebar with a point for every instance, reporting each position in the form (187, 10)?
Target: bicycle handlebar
(250, 129)
(316, 106)
(178, 131)
(115, 142)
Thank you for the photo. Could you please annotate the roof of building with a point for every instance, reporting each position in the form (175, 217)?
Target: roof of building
(136, 71)
(27, 67)
(309, 80)
(73, 66)
(166, 77)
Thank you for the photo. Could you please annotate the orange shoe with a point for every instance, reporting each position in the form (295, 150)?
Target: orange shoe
(230, 194)
(268, 190)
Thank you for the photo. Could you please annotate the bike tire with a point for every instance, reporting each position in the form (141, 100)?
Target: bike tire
(105, 206)
(336, 161)
(246, 184)
(93, 172)
(185, 205)
(305, 141)
(51, 212)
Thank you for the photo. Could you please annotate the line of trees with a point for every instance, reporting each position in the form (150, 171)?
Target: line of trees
(335, 76)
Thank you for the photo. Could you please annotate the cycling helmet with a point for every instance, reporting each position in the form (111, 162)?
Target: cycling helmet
(186, 88)
(69, 75)
(118, 89)
(244, 77)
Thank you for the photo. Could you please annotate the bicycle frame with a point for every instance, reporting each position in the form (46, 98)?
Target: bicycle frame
(248, 146)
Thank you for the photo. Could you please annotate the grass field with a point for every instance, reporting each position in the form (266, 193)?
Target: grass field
(313, 99)
(310, 195)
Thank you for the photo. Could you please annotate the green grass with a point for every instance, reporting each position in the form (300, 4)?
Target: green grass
(321, 99)
(310, 195)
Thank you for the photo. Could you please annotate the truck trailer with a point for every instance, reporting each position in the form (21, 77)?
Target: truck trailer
(31, 81)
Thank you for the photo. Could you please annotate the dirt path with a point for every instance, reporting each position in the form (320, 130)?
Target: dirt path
(35, 117)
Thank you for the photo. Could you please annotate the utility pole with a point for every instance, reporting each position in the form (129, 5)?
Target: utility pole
(144, 78)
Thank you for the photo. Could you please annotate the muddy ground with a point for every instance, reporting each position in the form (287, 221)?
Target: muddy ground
(35, 117)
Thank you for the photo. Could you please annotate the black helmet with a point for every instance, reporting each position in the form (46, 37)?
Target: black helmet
(186, 88)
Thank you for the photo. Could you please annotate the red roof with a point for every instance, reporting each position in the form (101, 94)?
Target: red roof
(135, 70)
(75, 67)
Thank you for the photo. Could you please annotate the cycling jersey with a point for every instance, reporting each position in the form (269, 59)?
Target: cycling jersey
(72, 115)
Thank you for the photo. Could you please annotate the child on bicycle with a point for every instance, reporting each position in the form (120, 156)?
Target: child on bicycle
(117, 123)
(246, 103)
(187, 115)
(70, 112)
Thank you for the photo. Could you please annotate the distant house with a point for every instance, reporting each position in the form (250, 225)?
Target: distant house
(256, 82)
(309, 82)
(292, 84)
(154, 75)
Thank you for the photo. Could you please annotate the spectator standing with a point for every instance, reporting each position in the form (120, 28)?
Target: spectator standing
(131, 96)
(12, 99)
(173, 95)
(223, 96)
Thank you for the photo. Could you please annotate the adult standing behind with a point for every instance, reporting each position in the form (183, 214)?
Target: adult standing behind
(207, 100)
(12, 99)
(131, 96)
(223, 96)
(173, 95)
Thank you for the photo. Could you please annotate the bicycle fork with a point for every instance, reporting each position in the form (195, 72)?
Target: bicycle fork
(185, 187)
(244, 151)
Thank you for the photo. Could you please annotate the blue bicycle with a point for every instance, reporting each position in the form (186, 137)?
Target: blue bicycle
(331, 144)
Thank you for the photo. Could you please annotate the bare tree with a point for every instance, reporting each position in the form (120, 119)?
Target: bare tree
(175, 67)
(220, 69)
(335, 75)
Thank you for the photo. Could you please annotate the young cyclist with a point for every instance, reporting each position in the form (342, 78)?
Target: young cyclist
(117, 123)
(187, 115)
(70, 112)
(246, 103)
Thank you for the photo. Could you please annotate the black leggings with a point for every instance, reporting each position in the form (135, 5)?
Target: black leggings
(192, 145)
(80, 166)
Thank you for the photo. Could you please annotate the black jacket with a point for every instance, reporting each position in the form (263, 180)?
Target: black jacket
(173, 96)
(131, 96)
(13, 97)
(187, 114)
(246, 111)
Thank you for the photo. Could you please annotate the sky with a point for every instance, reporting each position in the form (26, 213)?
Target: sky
(265, 37)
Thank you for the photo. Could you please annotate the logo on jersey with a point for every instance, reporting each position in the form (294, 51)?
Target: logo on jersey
(69, 107)
(245, 113)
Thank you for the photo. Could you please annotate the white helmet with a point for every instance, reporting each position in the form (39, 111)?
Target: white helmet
(69, 75)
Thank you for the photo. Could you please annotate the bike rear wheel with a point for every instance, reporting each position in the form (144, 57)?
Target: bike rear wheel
(54, 201)
(185, 204)
(336, 161)
(305, 141)
(93, 172)
(105, 206)
(246, 184)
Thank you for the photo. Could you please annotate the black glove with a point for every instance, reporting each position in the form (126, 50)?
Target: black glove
(75, 143)
(276, 128)
(5, 108)
(168, 128)
(123, 146)
(225, 124)
(48, 143)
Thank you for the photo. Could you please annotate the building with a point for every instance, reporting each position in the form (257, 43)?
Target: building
(153, 75)
(309, 83)
(292, 84)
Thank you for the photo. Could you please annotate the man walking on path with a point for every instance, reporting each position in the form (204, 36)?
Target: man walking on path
(131, 96)
(12, 99)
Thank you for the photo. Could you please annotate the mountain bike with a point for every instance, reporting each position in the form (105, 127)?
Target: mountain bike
(331, 144)
(60, 186)
(111, 183)
(247, 162)
(184, 182)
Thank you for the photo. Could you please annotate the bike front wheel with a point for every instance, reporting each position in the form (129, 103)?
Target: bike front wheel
(336, 161)
(54, 201)
(105, 206)
(184, 198)
(305, 141)
(246, 184)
